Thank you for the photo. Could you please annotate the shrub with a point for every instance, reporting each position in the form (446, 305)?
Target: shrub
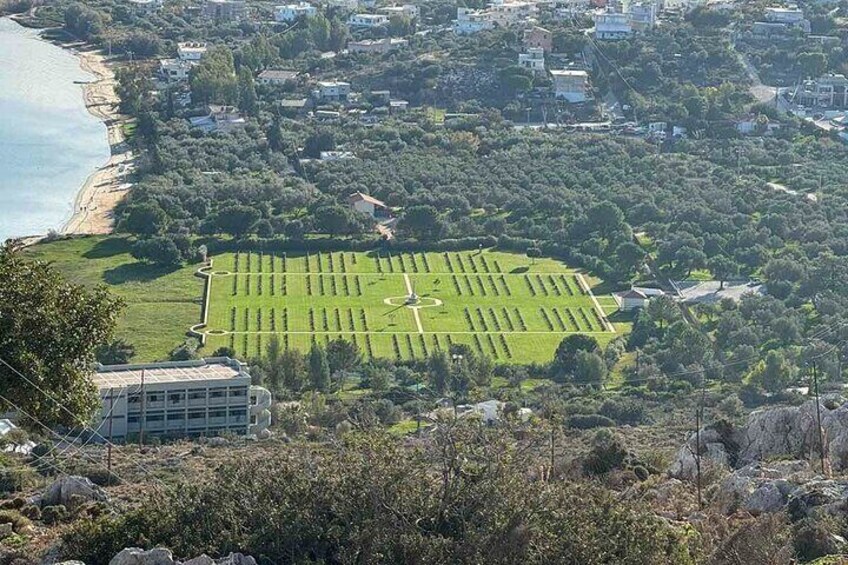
(20, 523)
(624, 411)
(53, 514)
(608, 453)
(589, 421)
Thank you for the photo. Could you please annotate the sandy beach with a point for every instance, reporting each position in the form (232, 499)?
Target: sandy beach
(104, 189)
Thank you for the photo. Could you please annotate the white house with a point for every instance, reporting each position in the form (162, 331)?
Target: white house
(276, 77)
(175, 70)
(146, 5)
(191, 50)
(571, 85)
(611, 25)
(219, 118)
(293, 12)
(333, 90)
(181, 399)
(367, 204)
(791, 17)
(368, 20)
(470, 21)
(533, 60)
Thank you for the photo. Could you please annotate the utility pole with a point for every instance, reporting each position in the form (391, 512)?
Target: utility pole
(109, 447)
(818, 415)
(143, 415)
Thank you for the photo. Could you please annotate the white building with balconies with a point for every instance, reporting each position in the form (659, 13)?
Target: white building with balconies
(180, 399)
(533, 60)
(191, 50)
(368, 20)
(571, 85)
(293, 12)
(611, 25)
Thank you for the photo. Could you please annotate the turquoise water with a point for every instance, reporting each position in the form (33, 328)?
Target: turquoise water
(49, 143)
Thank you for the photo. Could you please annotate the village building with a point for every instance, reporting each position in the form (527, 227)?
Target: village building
(642, 15)
(204, 397)
(146, 6)
(398, 106)
(276, 77)
(219, 118)
(571, 85)
(828, 91)
(611, 25)
(406, 10)
(380, 46)
(226, 10)
(333, 91)
(293, 12)
(175, 70)
(470, 21)
(533, 60)
(367, 204)
(191, 50)
(538, 38)
(368, 20)
(293, 107)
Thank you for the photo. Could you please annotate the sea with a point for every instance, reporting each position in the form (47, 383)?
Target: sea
(49, 143)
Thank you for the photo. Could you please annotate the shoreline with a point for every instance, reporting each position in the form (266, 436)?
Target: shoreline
(95, 200)
(101, 192)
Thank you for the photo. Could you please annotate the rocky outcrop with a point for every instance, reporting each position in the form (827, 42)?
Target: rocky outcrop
(70, 490)
(162, 556)
(771, 433)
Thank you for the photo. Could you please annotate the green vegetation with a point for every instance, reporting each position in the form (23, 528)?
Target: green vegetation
(161, 303)
(501, 305)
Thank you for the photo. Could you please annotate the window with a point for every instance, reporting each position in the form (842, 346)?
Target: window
(238, 392)
(218, 413)
(176, 417)
(156, 418)
(132, 419)
(196, 415)
(134, 399)
(175, 397)
(238, 415)
(253, 420)
(197, 395)
(154, 397)
(217, 393)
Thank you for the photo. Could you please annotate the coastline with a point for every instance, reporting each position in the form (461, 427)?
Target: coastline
(102, 191)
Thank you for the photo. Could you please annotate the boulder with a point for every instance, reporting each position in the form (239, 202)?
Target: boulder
(231, 559)
(136, 556)
(713, 450)
(6, 530)
(70, 490)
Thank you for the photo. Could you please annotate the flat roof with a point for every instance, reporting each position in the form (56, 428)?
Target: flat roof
(117, 376)
(568, 73)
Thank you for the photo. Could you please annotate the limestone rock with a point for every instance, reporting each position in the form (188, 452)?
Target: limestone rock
(231, 559)
(6, 530)
(66, 491)
(136, 556)
(713, 452)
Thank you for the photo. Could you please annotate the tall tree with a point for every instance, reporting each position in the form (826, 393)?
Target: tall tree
(49, 332)
(319, 368)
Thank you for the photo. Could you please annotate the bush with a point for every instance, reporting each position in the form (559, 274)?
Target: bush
(608, 453)
(20, 523)
(624, 411)
(53, 514)
(589, 421)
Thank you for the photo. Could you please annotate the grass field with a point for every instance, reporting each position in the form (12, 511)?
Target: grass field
(497, 303)
(160, 303)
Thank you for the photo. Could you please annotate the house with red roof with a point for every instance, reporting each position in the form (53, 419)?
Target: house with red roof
(367, 204)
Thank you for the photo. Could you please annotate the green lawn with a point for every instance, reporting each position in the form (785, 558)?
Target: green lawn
(161, 304)
(497, 303)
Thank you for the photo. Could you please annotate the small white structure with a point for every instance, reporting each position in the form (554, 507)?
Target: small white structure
(293, 12)
(333, 90)
(367, 204)
(533, 60)
(175, 70)
(611, 25)
(571, 85)
(633, 300)
(276, 77)
(146, 6)
(491, 411)
(368, 20)
(329, 156)
(185, 398)
(191, 50)
(219, 118)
